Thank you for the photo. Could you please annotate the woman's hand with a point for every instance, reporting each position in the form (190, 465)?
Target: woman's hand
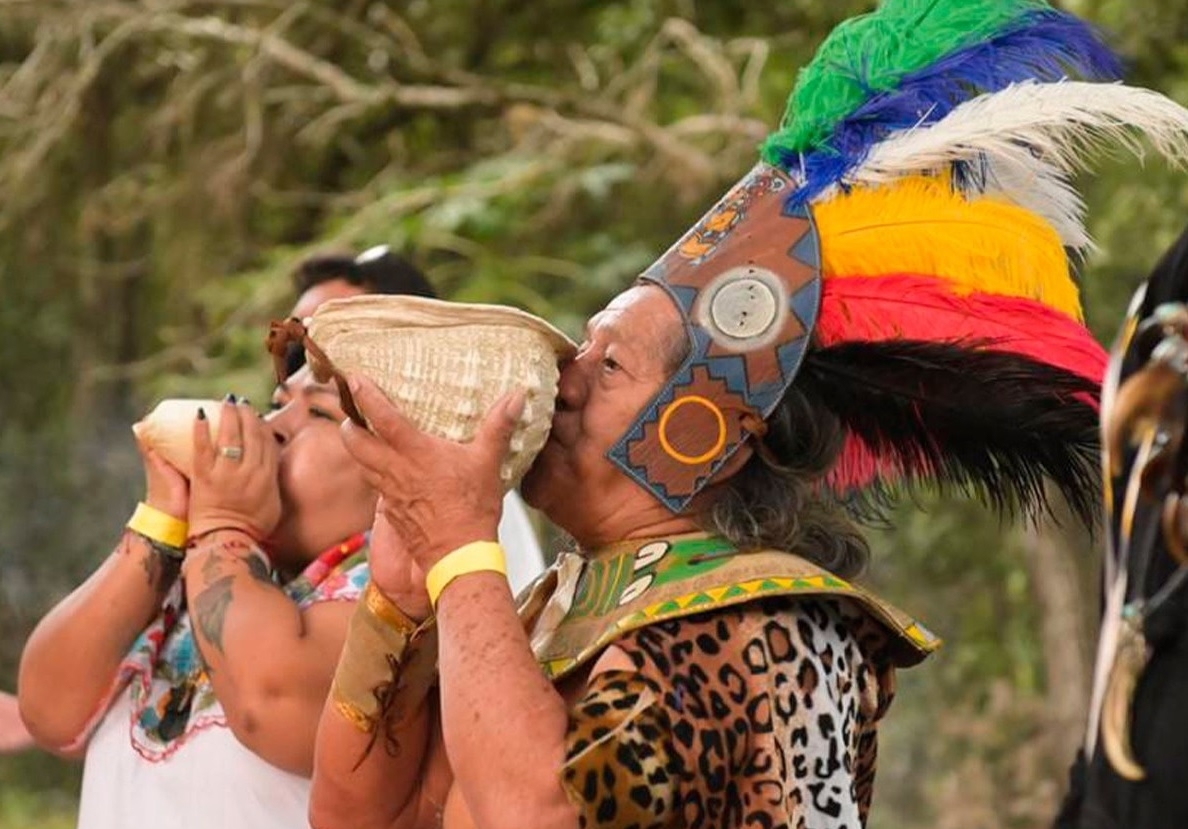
(436, 494)
(166, 488)
(234, 482)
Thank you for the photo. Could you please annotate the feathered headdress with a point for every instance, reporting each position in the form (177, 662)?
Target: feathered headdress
(902, 252)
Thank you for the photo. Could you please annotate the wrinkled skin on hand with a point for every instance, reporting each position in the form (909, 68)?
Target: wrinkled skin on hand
(395, 571)
(435, 495)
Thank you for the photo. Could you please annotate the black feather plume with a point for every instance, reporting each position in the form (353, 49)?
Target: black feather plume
(983, 423)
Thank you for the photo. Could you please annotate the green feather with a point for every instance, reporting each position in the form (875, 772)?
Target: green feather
(871, 53)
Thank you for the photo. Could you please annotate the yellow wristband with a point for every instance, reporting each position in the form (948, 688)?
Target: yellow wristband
(474, 557)
(159, 526)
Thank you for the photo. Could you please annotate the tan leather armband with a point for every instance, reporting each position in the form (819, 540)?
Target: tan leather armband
(620, 769)
(387, 666)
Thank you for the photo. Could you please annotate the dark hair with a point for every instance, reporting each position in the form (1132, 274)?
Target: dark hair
(777, 500)
(377, 270)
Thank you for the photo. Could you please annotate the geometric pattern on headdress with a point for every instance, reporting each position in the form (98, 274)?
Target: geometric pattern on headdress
(747, 281)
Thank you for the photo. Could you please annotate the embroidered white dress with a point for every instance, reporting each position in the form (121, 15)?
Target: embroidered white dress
(213, 782)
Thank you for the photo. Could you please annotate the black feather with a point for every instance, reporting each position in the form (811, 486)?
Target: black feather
(982, 423)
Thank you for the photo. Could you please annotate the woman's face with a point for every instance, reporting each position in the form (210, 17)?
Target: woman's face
(324, 498)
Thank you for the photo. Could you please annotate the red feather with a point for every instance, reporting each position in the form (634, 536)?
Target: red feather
(909, 307)
(858, 466)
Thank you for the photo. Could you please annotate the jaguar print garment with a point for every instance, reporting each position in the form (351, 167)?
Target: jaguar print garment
(759, 715)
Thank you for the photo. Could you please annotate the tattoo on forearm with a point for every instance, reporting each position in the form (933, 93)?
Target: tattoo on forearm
(161, 566)
(152, 568)
(215, 560)
(210, 610)
(211, 605)
(212, 568)
(259, 570)
(160, 562)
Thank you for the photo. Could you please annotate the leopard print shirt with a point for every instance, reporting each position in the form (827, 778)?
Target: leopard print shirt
(760, 715)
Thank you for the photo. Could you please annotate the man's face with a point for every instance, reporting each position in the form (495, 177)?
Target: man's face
(627, 356)
(309, 301)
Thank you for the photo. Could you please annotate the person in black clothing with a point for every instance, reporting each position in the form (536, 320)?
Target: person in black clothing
(1132, 771)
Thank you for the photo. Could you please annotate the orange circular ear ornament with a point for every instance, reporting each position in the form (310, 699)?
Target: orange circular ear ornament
(717, 442)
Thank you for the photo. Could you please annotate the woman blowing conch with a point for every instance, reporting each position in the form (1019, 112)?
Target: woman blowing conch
(191, 667)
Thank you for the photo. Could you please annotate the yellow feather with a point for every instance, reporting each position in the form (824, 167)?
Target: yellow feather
(920, 225)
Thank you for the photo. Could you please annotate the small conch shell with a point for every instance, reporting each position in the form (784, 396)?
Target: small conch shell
(444, 364)
(169, 429)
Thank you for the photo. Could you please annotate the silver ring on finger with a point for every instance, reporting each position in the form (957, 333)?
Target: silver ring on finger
(234, 453)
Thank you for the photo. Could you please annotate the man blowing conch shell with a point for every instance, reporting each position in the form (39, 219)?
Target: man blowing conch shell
(885, 299)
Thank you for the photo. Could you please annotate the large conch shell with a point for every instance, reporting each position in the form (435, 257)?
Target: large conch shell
(169, 429)
(444, 364)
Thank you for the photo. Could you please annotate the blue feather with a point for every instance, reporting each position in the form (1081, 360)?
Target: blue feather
(1046, 45)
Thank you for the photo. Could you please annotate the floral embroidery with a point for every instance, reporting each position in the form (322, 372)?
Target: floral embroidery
(171, 694)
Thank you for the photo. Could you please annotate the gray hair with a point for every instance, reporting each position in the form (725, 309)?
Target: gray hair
(777, 501)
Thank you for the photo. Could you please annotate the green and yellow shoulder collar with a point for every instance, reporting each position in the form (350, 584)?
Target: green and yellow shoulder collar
(585, 602)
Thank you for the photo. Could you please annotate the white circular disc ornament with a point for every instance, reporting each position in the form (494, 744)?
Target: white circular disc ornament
(743, 308)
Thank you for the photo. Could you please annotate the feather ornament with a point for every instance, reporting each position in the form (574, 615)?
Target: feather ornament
(923, 226)
(873, 52)
(911, 307)
(981, 423)
(1036, 186)
(1059, 123)
(1045, 45)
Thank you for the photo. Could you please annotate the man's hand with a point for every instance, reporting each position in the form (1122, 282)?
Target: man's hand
(235, 475)
(436, 494)
(394, 570)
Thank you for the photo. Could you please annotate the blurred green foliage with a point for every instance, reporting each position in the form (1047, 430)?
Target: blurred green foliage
(165, 165)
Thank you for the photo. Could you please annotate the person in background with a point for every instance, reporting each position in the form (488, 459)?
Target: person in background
(1131, 768)
(379, 271)
(374, 271)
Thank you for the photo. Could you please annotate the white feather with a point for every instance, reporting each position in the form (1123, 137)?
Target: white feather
(1047, 127)
(1036, 186)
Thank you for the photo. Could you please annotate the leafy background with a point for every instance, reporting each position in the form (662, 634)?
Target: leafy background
(165, 163)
